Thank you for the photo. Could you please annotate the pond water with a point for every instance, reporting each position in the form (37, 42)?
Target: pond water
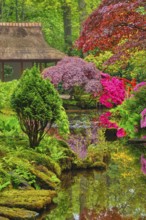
(92, 195)
(116, 194)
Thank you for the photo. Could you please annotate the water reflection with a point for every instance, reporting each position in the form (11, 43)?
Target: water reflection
(117, 194)
(90, 195)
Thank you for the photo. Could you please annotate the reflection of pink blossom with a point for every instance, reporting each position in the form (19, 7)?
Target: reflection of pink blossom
(143, 119)
(143, 164)
(121, 133)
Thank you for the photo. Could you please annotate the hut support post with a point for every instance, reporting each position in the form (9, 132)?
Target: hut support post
(41, 67)
(21, 67)
(3, 65)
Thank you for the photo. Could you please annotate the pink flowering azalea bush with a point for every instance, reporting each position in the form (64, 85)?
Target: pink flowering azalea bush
(106, 122)
(121, 132)
(72, 72)
(113, 92)
(130, 115)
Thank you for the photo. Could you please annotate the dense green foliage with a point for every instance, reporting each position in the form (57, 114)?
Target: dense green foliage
(128, 114)
(6, 89)
(21, 166)
(9, 124)
(134, 67)
(38, 106)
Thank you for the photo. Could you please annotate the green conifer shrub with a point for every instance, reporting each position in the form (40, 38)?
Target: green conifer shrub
(38, 106)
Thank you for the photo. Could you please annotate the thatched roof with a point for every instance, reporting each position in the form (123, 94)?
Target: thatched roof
(25, 41)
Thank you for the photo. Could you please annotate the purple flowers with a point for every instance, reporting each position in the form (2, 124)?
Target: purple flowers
(143, 119)
(143, 164)
(74, 71)
(79, 142)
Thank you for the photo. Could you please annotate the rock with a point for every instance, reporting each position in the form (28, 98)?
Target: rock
(17, 213)
(44, 177)
(28, 199)
(99, 165)
(3, 218)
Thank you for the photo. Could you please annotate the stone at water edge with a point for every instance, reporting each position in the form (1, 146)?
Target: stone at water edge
(3, 218)
(17, 214)
(28, 199)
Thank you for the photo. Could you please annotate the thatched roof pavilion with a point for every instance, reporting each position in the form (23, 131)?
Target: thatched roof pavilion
(22, 45)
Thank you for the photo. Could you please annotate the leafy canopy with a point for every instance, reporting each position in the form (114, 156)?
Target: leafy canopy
(115, 25)
(128, 114)
(6, 90)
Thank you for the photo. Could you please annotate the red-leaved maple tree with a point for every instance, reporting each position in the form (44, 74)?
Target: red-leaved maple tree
(115, 25)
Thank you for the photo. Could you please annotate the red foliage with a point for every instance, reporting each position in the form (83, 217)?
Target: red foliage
(112, 22)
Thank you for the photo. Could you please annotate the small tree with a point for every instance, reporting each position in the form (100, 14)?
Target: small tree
(38, 106)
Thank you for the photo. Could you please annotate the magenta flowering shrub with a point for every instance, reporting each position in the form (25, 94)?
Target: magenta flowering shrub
(113, 91)
(74, 71)
(104, 121)
(113, 94)
(121, 132)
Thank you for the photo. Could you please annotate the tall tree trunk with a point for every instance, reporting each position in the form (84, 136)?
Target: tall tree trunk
(16, 10)
(82, 16)
(2, 5)
(67, 26)
(23, 10)
(82, 12)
